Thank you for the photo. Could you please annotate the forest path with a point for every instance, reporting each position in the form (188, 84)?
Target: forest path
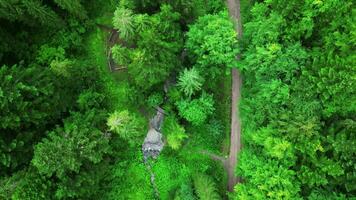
(112, 39)
(235, 135)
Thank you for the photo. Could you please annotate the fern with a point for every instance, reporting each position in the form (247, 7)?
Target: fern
(123, 21)
(190, 81)
(205, 187)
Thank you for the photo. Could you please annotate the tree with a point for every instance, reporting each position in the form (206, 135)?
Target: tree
(212, 44)
(128, 126)
(121, 55)
(293, 103)
(185, 191)
(69, 153)
(73, 7)
(175, 132)
(66, 148)
(27, 185)
(196, 111)
(38, 12)
(26, 98)
(205, 187)
(123, 21)
(190, 82)
(157, 40)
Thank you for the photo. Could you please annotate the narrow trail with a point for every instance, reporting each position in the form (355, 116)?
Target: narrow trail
(153, 143)
(231, 161)
(112, 39)
(235, 135)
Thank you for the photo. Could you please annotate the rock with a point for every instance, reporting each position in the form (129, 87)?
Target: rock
(153, 144)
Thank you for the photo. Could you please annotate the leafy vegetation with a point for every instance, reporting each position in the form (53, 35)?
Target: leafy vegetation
(70, 128)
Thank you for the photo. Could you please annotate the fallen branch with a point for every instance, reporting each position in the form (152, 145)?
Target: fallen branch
(119, 68)
(215, 157)
(105, 27)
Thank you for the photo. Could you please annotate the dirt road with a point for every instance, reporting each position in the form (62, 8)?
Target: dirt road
(235, 136)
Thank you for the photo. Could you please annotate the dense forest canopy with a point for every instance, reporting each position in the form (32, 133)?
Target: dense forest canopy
(80, 82)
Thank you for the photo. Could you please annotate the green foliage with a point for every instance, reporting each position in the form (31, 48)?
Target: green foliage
(128, 126)
(26, 185)
(158, 41)
(130, 181)
(17, 92)
(185, 191)
(174, 94)
(190, 81)
(175, 133)
(26, 11)
(60, 68)
(196, 111)
(212, 44)
(319, 195)
(27, 100)
(73, 7)
(88, 100)
(155, 99)
(67, 153)
(123, 21)
(295, 67)
(205, 187)
(192, 9)
(58, 141)
(207, 136)
(268, 178)
(170, 173)
(120, 55)
(79, 139)
(47, 54)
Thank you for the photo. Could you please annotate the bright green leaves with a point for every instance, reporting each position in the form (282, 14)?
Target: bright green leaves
(127, 125)
(175, 133)
(175, 139)
(123, 21)
(185, 192)
(120, 55)
(190, 81)
(205, 187)
(196, 111)
(274, 60)
(332, 79)
(61, 67)
(130, 180)
(212, 42)
(157, 39)
(267, 178)
(26, 185)
(89, 100)
(212, 47)
(155, 99)
(170, 173)
(298, 88)
(47, 54)
(273, 146)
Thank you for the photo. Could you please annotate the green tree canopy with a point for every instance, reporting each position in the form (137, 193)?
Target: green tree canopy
(190, 81)
(196, 111)
(212, 44)
(127, 125)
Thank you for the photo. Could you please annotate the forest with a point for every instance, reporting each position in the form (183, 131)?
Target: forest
(177, 99)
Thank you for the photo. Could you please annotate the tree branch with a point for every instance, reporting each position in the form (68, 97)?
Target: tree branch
(215, 157)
